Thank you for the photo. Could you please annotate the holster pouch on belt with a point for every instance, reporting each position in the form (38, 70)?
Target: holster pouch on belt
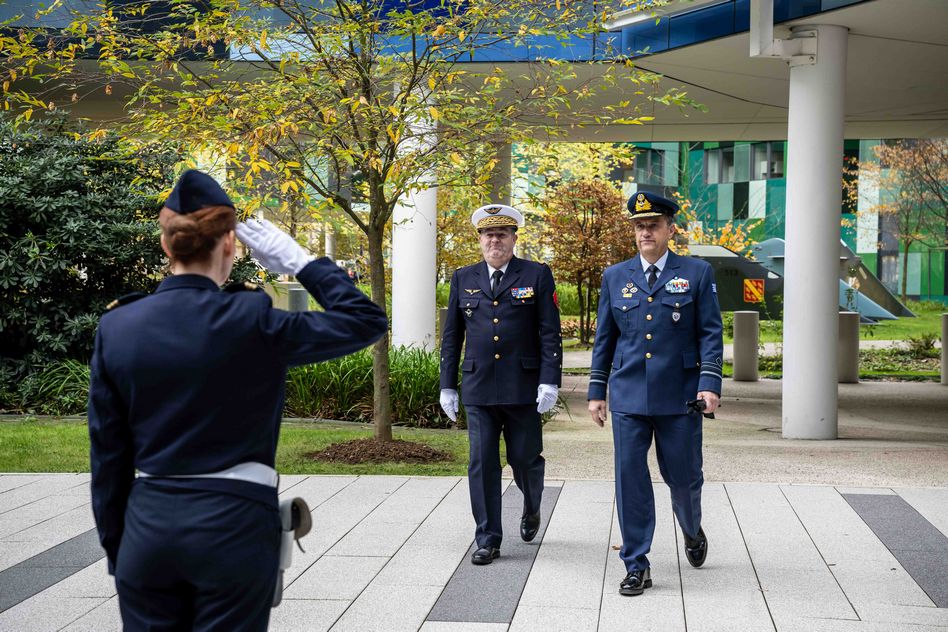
(296, 521)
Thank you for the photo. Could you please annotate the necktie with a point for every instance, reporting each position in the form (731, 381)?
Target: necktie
(652, 276)
(495, 280)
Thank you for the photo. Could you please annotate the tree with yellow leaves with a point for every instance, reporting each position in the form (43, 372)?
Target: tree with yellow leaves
(346, 105)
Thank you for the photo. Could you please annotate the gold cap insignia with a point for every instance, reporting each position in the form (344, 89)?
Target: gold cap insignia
(642, 204)
(493, 210)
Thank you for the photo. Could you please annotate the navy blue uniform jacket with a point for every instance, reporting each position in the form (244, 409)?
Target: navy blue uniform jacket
(191, 379)
(513, 337)
(657, 348)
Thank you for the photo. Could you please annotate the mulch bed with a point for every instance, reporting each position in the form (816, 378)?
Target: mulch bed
(375, 451)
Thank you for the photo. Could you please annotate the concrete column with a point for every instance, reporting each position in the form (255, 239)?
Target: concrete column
(814, 164)
(848, 348)
(944, 349)
(500, 177)
(414, 261)
(298, 299)
(746, 340)
(330, 240)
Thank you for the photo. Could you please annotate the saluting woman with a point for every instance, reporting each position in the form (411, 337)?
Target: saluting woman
(187, 388)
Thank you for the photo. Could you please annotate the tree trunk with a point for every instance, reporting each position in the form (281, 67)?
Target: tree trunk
(583, 317)
(382, 407)
(905, 255)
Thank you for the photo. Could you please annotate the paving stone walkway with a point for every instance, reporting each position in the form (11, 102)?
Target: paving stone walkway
(391, 553)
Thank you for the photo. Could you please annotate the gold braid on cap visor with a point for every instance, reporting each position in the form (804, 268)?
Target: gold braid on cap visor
(496, 220)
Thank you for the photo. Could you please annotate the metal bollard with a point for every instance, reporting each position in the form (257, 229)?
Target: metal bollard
(944, 349)
(746, 339)
(298, 298)
(847, 349)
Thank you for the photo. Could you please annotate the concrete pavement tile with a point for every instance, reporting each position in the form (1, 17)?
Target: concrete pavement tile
(648, 612)
(374, 538)
(879, 584)
(423, 565)
(455, 626)
(904, 615)
(487, 593)
(338, 515)
(897, 523)
(19, 583)
(724, 610)
(315, 490)
(885, 491)
(13, 481)
(58, 529)
(104, 618)
(92, 581)
(12, 553)
(306, 615)
(388, 609)
(930, 571)
(552, 619)
(46, 614)
(804, 624)
(792, 575)
(451, 522)
(80, 550)
(932, 503)
(568, 570)
(290, 480)
(50, 485)
(335, 578)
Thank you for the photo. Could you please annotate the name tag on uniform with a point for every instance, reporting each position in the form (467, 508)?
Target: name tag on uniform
(677, 286)
(521, 292)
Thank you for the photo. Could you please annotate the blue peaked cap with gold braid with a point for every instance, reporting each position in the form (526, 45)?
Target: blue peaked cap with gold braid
(645, 204)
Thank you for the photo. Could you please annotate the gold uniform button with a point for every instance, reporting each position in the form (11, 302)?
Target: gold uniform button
(496, 303)
(497, 356)
(496, 338)
(648, 317)
(648, 336)
(648, 356)
(496, 320)
(650, 299)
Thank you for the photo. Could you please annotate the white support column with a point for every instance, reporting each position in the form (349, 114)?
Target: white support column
(414, 261)
(814, 167)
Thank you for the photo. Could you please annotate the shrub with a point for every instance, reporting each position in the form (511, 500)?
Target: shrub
(569, 300)
(77, 230)
(342, 389)
(923, 345)
(60, 388)
(727, 319)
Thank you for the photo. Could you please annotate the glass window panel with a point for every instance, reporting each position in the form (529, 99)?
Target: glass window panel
(712, 166)
(760, 161)
(741, 195)
(776, 160)
(727, 164)
(742, 163)
(645, 35)
(701, 25)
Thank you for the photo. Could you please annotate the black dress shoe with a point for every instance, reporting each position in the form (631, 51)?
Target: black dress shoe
(485, 555)
(636, 582)
(529, 525)
(696, 550)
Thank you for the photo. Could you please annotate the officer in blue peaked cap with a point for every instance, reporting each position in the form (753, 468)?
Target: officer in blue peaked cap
(658, 346)
(187, 389)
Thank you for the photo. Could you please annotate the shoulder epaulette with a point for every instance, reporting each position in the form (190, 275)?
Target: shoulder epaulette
(242, 286)
(125, 300)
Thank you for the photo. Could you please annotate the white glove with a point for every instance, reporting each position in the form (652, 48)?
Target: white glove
(546, 397)
(449, 403)
(275, 250)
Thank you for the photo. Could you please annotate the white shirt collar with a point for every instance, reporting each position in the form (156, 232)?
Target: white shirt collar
(491, 270)
(660, 264)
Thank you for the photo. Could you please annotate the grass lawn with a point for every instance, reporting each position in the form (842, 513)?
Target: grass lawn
(928, 321)
(48, 444)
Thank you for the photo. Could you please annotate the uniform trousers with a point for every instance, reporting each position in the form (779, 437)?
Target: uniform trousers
(521, 428)
(678, 448)
(196, 560)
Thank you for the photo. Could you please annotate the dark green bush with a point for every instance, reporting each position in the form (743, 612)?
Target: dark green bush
(60, 388)
(342, 389)
(77, 229)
